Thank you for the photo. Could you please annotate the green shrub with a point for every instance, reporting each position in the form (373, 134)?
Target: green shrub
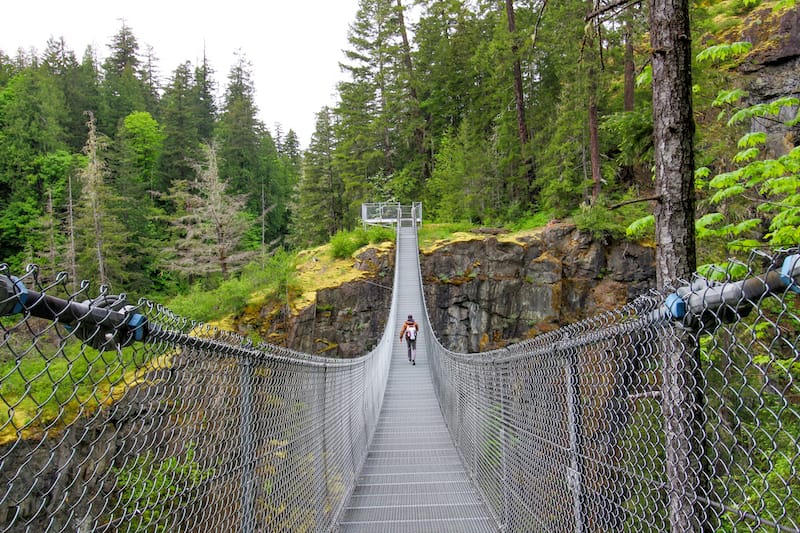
(345, 243)
(379, 234)
(599, 220)
(272, 276)
(536, 220)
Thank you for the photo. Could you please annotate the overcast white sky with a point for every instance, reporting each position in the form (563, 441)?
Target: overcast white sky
(294, 45)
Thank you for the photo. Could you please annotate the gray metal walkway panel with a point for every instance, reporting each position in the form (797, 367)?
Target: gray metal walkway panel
(416, 526)
(413, 480)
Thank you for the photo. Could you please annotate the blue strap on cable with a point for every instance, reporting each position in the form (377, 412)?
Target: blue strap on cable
(22, 295)
(676, 306)
(136, 323)
(787, 269)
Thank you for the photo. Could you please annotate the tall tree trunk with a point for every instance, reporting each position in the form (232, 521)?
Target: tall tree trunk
(591, 86)
(420, 129)
(681, 392)
(51, 232)
(93, 177)
(519, 95)
(72, 254)
(629, 78)
(412, 89)
(673, 129)
(629, 68)
(594, 136)
(519, 98)
(98, 229)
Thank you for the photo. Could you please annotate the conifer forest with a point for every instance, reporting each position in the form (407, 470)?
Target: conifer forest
(503, 113)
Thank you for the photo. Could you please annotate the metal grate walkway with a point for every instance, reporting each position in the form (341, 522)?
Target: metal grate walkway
(413, 480)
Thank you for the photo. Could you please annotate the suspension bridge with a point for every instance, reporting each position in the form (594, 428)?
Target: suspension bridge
(676, 412)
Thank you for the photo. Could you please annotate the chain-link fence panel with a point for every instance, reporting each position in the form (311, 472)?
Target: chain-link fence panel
(119, 417)
(673, 413)
(676, 413)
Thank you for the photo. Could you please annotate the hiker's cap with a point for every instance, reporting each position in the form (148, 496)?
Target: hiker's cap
(410, 317)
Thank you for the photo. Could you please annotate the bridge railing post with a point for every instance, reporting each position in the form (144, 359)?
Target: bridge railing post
(321, 474)
(574, 470)
(501, 387)
(247, 445)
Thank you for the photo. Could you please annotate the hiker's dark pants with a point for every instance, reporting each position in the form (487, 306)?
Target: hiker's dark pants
(412, 349)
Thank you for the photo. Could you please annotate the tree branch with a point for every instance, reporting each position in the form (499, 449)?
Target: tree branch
(538, 21)
(636, 201)
(622, 4)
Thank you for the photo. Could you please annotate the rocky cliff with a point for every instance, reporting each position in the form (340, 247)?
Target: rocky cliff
(482, 291)
(772, 70)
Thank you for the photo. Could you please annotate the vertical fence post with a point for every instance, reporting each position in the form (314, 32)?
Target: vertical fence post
(500, 390)
(682, 407)
(575, 469)
(321, 489)
(247, 497)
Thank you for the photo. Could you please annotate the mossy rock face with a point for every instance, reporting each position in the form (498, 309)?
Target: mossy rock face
(340, 310)
(775, 37)
(484, 290)
(527, 284)
(772, 70)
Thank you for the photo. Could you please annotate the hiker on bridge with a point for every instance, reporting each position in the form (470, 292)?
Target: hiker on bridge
(410, 331)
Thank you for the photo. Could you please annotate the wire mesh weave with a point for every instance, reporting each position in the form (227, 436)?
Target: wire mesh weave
(630, 421)
(193, 429)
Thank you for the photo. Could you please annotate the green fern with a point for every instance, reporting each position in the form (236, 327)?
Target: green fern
(729, 97)
(775, 183)
(702, 225)
(724, 52)
(770, 109)
(755, 138)
(746, 155)
(641, 227)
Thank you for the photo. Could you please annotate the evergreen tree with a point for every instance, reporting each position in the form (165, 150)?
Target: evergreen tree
(447, 37)
(7, 69)
(204, 100)
(210, 225)
(101, 239)
(276, 183)
(150, 75)
(519, 192)
(320, 211)
(288, 168)
(87, 96)
(123, 89)
(380, 121)
(61, 65)
(47, 241)
(31, 114)
(182, 137)
(561, 100)
(290, 149)
(413, 128)
(240, 133)
(291, 162)
(137, 149)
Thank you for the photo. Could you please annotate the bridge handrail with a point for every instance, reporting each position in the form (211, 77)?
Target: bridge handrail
(675, 412)
(488, 398)
(288, 468)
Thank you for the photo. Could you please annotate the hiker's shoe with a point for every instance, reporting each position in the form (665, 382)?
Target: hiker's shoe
(414, 363)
